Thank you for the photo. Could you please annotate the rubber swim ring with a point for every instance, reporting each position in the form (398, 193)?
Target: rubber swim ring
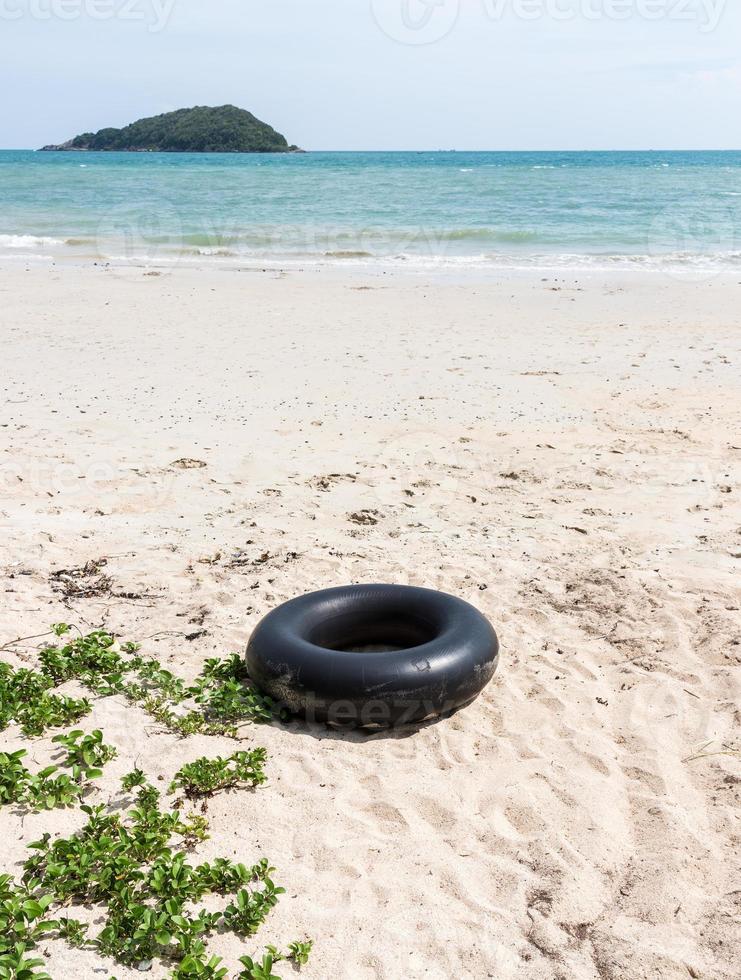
(373, 656)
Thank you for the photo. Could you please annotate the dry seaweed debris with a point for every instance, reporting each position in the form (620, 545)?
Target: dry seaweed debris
(86, 582)
(188, 464)
(368, 517)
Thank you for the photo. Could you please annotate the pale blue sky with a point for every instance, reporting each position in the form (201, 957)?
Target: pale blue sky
(339, 74)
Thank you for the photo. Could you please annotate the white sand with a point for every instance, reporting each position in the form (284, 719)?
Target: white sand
(572, 453)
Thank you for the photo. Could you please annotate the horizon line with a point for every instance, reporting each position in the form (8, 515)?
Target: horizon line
(694, 149)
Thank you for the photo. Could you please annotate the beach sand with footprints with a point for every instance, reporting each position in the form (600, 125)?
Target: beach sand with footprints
(182, 450)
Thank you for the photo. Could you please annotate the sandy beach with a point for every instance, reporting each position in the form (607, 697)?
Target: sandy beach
(561, 450)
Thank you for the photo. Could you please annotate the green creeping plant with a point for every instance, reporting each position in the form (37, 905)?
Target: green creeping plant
(230, 668)
(229, 700)
(171, 877)
(14, 965)
(137, 932)
(258, 971)
(87, 658)
(51, 711)
(132, 864)
(300, 952)
(74, 932)
(224, 877)
(13, 777)
(22, 685)
(249, 909)
(22, 915)
(43, 790)
(223, 700)
(86, 752)
(46, 793)
(22, 923)
(148, 797)
(204, 776)
(153, 676)
(199, 968)
(133, 780)
(25, 699)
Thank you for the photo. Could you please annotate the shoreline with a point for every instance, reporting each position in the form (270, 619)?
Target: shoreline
(698, 267)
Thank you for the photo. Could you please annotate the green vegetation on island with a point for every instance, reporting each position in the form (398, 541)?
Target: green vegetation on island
(202, 129)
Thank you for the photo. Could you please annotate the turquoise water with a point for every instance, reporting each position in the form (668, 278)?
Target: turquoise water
(510, 209)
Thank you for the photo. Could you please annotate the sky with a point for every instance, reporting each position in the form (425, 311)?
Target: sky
(383, 74)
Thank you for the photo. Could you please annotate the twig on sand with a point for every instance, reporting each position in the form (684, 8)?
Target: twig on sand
(702, 754)
(153, 636)
(23, 639)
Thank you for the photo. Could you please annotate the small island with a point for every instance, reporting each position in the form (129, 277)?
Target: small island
(202, 129)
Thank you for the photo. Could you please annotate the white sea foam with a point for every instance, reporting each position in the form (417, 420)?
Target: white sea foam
(675, 262)
(672, 262)
(28, 241)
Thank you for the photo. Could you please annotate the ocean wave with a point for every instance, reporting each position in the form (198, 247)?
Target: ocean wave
(488, 247)
(28, 241)
(434, 253)
(512, 235)
(605, 262)
(678, 262)
(205, 239)
(223, 252)
(372, 239)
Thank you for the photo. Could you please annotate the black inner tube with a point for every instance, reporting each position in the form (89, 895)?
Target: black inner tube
(373, 656)
(365, 630)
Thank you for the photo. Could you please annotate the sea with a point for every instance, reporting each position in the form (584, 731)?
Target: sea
(518, 210)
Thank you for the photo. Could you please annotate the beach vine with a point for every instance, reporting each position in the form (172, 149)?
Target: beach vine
(217, 703)
(132, 859)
